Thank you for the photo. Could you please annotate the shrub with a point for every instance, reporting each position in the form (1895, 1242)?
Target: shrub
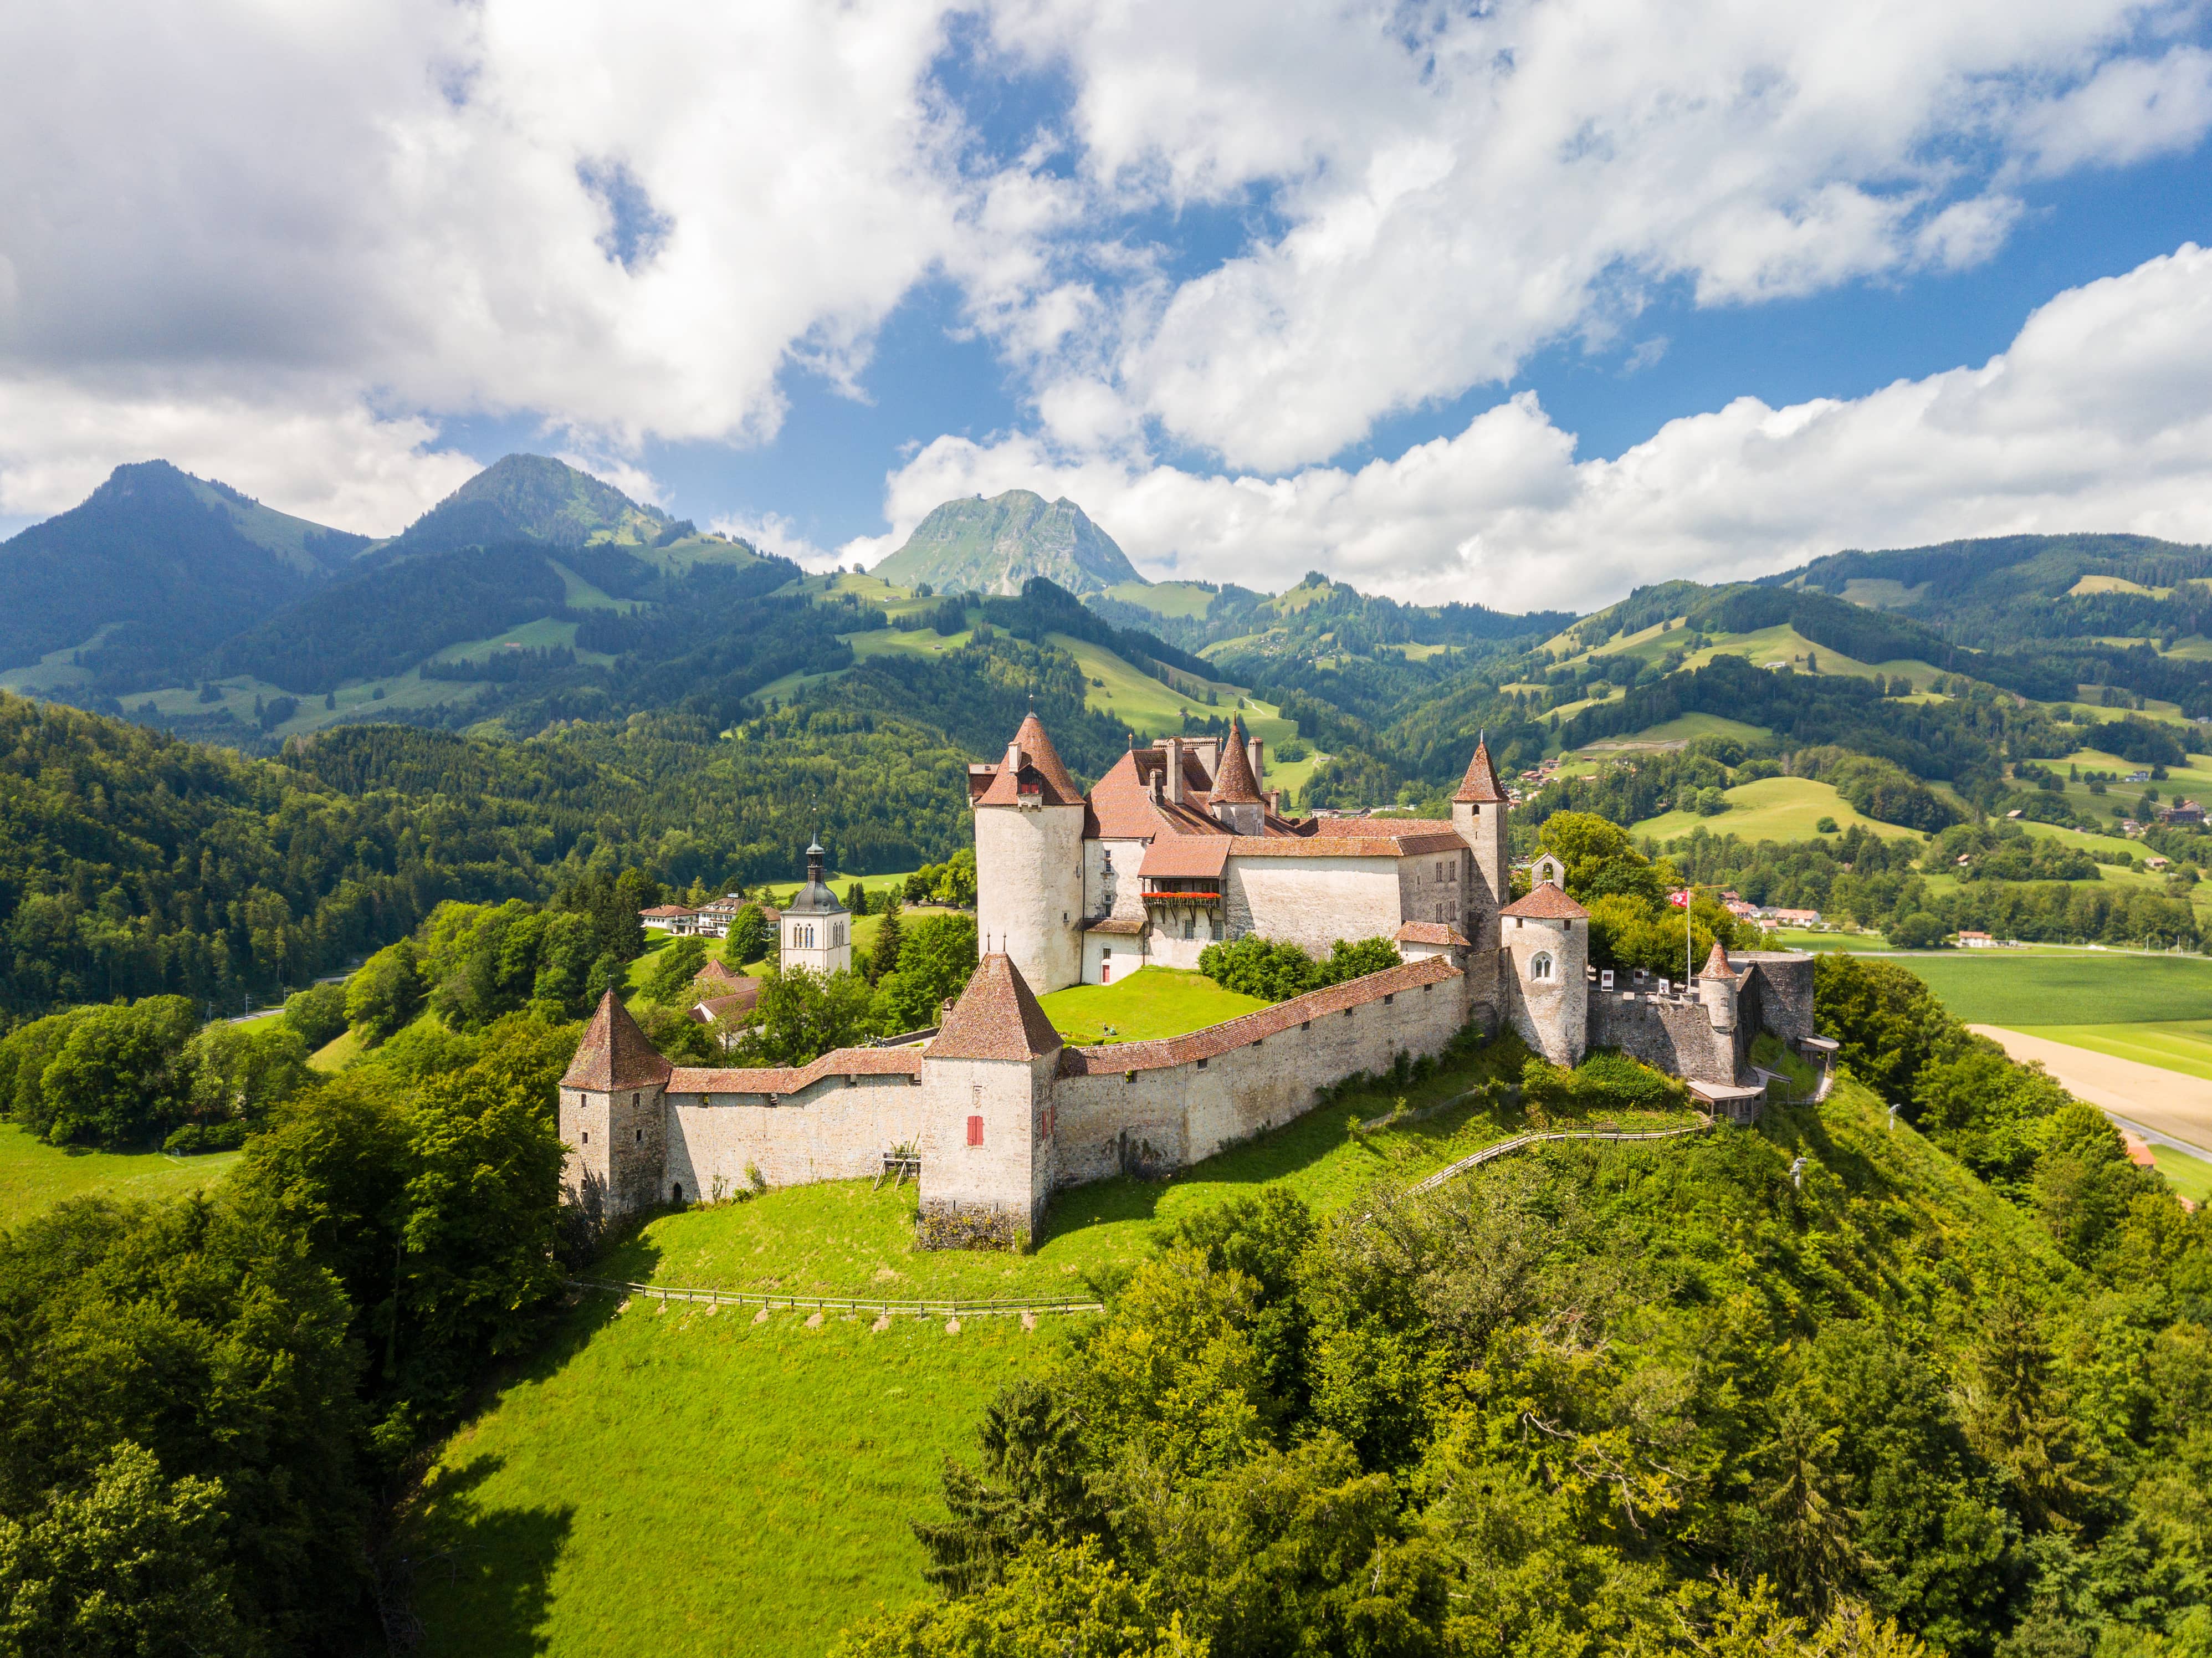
(317, 1013)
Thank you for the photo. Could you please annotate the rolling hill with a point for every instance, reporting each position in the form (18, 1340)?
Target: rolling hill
(995, 546)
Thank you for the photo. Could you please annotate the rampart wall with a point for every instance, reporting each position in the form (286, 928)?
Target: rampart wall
(1671, 1033)
(1151, 1108)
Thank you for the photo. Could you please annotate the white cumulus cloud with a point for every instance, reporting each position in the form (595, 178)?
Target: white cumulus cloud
(2099, 415)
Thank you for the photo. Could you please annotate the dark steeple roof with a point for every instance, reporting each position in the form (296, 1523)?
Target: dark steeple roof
(1480, 787)
(815, 898)
(614, 1053)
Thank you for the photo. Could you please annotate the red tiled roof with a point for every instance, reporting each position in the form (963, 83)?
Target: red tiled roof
(667, 909)
(1234, 784)
(1716, 965)
(732, 1009)
(1377, 826)
(995, 1019)
(1040, 765)
(721, 973)
(788, 1079)
(1432, 933)
(1347, 846)
(614, 1053)
(1255, 1027)
(1187, 857)
(1547, 903)
(1480, 785)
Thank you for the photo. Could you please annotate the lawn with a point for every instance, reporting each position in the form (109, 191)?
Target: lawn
(35, 1176)
(1772, 808)
(1806, 938)
(1151, 1002)
(665, 1480)
(2020, 989)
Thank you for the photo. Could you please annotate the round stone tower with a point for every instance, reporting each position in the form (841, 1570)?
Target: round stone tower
(1029, 860)
(1716, 988)
(1547, 938)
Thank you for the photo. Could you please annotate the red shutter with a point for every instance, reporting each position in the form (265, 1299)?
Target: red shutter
(975, 1131)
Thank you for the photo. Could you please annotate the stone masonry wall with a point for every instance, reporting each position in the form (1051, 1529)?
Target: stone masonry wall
(832, 1130)
(1781, 988)
(1669, 1033)
(1158, 1119)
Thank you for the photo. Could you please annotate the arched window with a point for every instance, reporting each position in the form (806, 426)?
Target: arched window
(1540, 966)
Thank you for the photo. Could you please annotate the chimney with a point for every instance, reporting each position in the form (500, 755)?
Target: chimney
(1274, 803)
(1152, 782)
(1013, 755)
(1256, 751)
(1174, 770)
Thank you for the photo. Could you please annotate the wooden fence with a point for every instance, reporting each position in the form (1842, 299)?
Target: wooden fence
(934, 1307)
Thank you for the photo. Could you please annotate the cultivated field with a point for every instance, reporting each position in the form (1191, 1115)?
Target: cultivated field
(2167, 1100)
(2024, 989)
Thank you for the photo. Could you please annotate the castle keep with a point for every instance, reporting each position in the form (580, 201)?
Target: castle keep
(1181, 845)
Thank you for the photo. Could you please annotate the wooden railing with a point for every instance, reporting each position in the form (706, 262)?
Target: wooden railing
(927, 1308)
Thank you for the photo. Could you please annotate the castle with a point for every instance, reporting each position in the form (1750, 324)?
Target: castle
(1179, 846)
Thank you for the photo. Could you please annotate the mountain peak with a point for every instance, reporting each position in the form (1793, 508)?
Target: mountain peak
(994, 546)
(534, 498)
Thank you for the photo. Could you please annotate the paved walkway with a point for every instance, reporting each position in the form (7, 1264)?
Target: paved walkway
(2167, 1102)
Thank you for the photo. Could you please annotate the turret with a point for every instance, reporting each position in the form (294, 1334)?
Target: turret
(611, 1118)
(1546, 937)
(1479, 814)
(1716, 988)
(1235, 792)
(1029, 860)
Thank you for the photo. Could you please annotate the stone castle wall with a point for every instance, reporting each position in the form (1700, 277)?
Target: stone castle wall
(1029, 894)
(1312, 901)
(1671, 1033)
(834, 1130)
(1153, 1108)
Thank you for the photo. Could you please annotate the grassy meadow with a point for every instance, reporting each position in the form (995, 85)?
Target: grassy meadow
(35, 1176)
(1150, 1003)
(1772, 808)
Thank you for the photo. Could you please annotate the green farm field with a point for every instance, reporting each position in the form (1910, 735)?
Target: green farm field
(1151, 1002)
(35, 1176)
(2021, 989)
(1772, 808)
(669, 1480)
(2182, 1045)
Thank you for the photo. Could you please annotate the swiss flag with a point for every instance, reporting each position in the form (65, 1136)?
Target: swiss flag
(1679, 899)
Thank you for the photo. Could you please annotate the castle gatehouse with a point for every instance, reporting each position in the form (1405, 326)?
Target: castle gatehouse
(1179, 846)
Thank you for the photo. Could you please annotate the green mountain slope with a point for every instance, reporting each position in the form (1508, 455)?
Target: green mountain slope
(536, 498)
(160, 566)
(994, 546)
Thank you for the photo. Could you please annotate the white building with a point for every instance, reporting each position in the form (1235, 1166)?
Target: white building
(817, 929)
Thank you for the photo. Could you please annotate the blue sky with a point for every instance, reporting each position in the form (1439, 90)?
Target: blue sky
(1409, 295)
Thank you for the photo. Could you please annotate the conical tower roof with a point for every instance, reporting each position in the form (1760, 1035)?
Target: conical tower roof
(614, 1053)
(1234, 784)
(1716, 965)
(1480, 787)
(995, 1019)
(1040, 754)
